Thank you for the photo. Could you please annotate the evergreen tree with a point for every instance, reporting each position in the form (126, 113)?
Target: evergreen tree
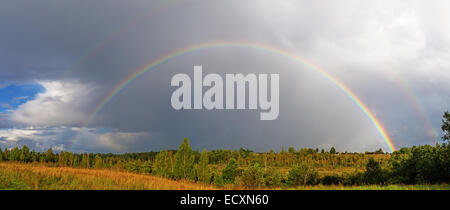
(25, 154)
(85, 162)
(5, 154)
(253, 177)
(76, 161)
(49, 156)
(230, 171)
(71, 160)
(374, 173)
(61, 159)
(446, 126)
(163, 164)
(98, 163)
(203, 169)
(332, 151)
(184, 161)
(14, 154)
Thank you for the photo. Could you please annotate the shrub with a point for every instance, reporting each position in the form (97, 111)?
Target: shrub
(332, 180)
(421, 165)
(218, 180)
(273, 178)
(302, 175)
(230, 171)
(374, 174)
(252, 177)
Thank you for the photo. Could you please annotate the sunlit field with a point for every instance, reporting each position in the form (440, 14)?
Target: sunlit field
(19, 176)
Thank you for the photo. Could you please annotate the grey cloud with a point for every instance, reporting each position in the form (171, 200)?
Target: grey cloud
(369, 46)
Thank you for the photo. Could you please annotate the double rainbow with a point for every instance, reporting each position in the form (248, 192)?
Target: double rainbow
(209, 45)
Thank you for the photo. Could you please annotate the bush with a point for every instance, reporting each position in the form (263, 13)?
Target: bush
(230, 171)
(302, 175)
(253, 177)
(374, 174)
(332, 180)
(146, 167)
(273, 178)
(218, 180)
(421, 165)
(132, 166)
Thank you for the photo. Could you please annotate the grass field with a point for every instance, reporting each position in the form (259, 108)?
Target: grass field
(18, 176)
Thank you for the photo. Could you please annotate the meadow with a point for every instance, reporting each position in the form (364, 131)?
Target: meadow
(20, 176)
(36, 176)
(422, 167)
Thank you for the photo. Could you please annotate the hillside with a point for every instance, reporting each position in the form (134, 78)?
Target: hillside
(20, 176)
(40, 177)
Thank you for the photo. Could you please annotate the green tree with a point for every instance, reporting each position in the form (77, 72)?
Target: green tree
(302, 174)
(184, 161)
(5, 154)
(146, 167)
(49, 156)
(98, 162)
(132, 166)
(203, 172)
(253, 176)
(85, 161)
(25, 154)
(379, 151)
(71, 160)
(374, 174)
(291, 150)
(230, 171)
(273, 177)
(163, 165)
(332, 151)
(14, 154)
(421, 165)
(446, 126)
(61, 159)
(76, 161)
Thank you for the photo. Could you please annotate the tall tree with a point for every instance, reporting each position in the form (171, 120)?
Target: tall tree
(25, 154)
(203, 170)
(332, 150)
(49, 156)
(98, 163)
(446, 126)
(163, 164)
(184, 161)
(230, 171)
(61, 159)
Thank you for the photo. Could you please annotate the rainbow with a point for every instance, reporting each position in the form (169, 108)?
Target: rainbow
(210, 45)
(418, 106)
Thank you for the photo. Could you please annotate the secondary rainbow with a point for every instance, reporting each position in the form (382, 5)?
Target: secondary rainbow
(418, 106)
(209, 45)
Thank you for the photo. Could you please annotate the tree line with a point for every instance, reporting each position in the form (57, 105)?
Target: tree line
(424, 164)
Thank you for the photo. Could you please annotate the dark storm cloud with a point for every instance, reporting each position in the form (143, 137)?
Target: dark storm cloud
(80, 50)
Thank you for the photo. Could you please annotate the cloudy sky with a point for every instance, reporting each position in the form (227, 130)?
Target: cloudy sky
(60, 59)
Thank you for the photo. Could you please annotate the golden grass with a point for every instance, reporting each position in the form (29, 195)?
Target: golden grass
(40, 177)
(376, 187)
(20, 176)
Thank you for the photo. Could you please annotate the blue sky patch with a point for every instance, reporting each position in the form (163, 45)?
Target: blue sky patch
(13, 95)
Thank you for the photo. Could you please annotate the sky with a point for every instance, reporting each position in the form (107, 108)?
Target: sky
(60, 59)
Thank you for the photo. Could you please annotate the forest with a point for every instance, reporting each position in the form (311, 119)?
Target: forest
(246, 169)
